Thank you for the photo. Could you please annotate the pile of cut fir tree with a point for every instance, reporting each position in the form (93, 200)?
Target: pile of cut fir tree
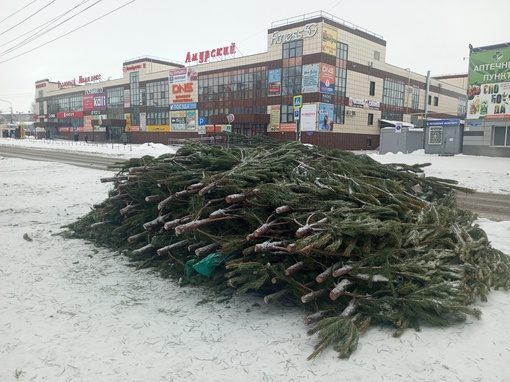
(356, 242)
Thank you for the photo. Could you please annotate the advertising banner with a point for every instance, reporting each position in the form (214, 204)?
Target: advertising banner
(489, 83)
(180, 75)
(274, 79)
(326, 117)
(274, 117)
(127, 98)
(288, 127)
(327, 79)
(310, 78)
(364, 103)
(183, 120)
(308, 117)
(329, 38)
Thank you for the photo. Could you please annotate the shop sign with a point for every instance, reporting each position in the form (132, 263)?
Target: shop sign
(70, 114)
(81, 80)
(309, 30)
(184, 106)
(133, 67)
(204, 56)
(364, 103)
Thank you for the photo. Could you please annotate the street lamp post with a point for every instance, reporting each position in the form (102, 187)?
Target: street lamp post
(12, 119)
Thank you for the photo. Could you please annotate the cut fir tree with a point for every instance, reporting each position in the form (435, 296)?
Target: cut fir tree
(354, 241)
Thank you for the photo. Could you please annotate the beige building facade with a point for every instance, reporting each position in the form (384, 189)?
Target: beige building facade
(335, 71)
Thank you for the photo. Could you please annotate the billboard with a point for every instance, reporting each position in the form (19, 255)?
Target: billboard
(327, 78)
(326, 116)
(183, 120)
(488, 83)
(274, 79)
(274, 117)
(310, 78)
(308, 117)
(329, 37)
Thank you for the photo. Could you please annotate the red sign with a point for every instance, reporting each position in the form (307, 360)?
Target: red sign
(83, 80)
(41, 85)
(88, 102)
(133, 67)
(70, 114)
(203, 56)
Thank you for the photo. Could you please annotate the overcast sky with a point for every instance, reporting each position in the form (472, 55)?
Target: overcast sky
(421, 35)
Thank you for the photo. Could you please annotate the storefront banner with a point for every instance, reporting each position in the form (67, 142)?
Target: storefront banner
(100, 101)
(488, 99)
(288, 127)
(70, 114)
(127, 98)
(88, 102)
(127, 117)
(143, 121)
(181, 75)
(274, 117)
(327, 79)
(184, 106)
(329, 38)
(183, 120)
(444, 122)
(274, 79)
(489, 66)
(326, 117)
(310, 78)
(308, 117)
(364, 103)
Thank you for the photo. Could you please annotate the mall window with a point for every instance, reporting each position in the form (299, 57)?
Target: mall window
(115, 103)
(501, 135)
(415, 98)
(40, 99)
(377, 55)
(370, 121)
(293, 49)
(342, 50)
(340, 82)
(430, 100)
(339, 112)
(393, 100)
(372, 88)
(287, 113)
(436, 101)
(291, 80)
(134, 87)
(158, 118)
(157, 94)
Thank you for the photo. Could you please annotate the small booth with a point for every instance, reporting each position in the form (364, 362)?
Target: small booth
(443, 137)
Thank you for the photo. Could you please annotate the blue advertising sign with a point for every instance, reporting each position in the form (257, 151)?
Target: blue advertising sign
(184, 106)
(444, 122)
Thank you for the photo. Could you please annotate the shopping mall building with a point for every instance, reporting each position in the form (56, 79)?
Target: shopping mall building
(322, 80)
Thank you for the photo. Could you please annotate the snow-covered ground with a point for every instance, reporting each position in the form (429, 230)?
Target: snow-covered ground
(73, 312)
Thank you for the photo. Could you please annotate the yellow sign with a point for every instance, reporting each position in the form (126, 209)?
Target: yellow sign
(329, 38)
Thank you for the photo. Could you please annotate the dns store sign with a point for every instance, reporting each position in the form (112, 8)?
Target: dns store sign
(182, 92)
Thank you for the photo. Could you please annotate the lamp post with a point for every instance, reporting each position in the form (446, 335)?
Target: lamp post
(11, 108)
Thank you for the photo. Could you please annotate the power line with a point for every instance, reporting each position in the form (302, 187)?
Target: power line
(42, 26)
(27, 18)
(74, 30)
(18, 11)
(41, 33)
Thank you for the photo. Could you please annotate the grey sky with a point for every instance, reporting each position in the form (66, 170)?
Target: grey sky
(421, 35)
